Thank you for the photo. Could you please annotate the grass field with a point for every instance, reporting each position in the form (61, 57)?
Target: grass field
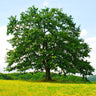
(25, 88)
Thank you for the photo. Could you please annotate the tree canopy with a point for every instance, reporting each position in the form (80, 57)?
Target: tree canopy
(47, 39)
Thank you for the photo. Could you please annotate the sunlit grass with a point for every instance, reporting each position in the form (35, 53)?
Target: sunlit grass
(24, 88)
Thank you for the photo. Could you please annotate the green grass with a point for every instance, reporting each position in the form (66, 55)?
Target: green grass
(25, 88)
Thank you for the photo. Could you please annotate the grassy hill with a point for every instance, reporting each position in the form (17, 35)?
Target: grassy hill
(40, 76)
(25, 88)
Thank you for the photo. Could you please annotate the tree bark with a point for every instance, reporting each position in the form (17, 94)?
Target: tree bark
(48, 77)
(83, 76)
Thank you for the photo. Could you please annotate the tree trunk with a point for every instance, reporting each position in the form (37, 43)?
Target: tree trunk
(48, 77)
(83, 76)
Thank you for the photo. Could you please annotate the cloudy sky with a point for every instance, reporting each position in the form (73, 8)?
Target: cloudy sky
(83, 12)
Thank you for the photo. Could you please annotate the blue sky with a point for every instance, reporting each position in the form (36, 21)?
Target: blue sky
(82, 11)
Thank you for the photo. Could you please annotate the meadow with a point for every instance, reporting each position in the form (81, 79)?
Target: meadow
(26, 88)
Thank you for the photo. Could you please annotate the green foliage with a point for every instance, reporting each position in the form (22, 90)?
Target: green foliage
(40, 76)
(47, 39)
(15, 76)
(7, 76)
(69, 78)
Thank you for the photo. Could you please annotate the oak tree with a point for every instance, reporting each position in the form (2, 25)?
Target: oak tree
(46, 39)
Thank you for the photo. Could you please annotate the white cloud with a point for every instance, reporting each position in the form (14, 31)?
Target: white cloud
(3, 46)
(45, 3)
(92, 44)
(83, 32)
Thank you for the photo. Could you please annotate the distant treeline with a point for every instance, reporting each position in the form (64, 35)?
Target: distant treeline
(92, 78)
(40, 76)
